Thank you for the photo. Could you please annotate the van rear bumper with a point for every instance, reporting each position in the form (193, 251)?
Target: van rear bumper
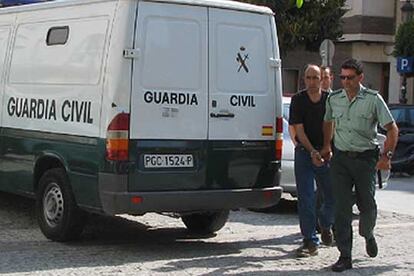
(115, 198)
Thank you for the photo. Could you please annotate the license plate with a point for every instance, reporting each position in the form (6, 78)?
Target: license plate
(168, 161)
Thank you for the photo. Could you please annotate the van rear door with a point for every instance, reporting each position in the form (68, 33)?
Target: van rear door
(241, 86)
(169, 96)
(242, 100)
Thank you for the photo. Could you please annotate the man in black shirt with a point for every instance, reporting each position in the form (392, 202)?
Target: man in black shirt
(307, 110)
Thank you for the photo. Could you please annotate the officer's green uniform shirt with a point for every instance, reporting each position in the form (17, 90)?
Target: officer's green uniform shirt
(356, 121)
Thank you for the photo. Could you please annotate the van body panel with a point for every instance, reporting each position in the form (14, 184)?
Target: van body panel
(230, 5)
(277, 67)
(23, 150)
(143, 177)
(216, 165)
(189, 201)
(233, 5)
(65, 76)
(116, 201)
(5, 37)
(117, 77)
(51, 95)
(82, 62)
(74, 69)
(241, 164)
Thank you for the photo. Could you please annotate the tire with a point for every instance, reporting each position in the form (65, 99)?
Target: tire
(207, 222)
(410, 167)
(58, 216)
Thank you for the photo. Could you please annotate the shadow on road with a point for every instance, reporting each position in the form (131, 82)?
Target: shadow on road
(115, 241)
(285, 206)
(111, 245)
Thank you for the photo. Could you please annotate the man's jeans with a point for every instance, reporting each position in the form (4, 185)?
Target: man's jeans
(305, 174)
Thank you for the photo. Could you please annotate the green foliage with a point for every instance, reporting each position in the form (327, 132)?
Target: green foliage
(404, 40)
(315, 21)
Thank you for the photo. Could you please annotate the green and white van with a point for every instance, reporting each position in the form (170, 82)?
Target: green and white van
(129, 107)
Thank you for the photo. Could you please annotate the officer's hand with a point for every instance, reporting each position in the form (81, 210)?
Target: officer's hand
(383, 163)
(326, 153)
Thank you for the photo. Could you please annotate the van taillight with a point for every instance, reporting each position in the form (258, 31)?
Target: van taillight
(117, 138)
(279, 138)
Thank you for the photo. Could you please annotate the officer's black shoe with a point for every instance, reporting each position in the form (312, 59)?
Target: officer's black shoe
(371, 247)
(342, 264)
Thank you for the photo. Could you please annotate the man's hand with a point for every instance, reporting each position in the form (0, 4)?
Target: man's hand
(317, 159)
(326, 153)
(383, 163)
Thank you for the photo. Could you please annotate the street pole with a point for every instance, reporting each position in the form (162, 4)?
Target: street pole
(403, 97)
(406, 14)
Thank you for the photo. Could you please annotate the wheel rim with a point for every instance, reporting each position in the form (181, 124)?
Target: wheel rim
(53, 205)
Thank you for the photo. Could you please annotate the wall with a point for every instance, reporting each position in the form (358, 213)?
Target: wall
(383, 8)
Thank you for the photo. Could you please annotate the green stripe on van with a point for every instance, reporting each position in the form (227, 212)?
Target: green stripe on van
(26, 154)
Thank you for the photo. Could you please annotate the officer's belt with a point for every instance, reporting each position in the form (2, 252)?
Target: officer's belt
(358, 154)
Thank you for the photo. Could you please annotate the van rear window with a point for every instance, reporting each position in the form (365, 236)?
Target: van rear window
(57, 35)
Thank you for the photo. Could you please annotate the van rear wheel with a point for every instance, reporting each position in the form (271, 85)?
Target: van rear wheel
(58, 216)
(206, 222)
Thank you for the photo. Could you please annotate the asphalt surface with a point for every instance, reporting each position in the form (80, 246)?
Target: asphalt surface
(398, 197)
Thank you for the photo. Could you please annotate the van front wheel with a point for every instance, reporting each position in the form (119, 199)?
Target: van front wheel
(206, 222)
(58, 216)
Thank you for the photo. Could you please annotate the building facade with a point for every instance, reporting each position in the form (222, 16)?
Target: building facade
(369, 28)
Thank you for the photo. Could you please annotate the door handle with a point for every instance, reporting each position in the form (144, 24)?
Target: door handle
(222, 115)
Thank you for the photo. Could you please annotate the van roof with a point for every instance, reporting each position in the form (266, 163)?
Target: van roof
(227, 4)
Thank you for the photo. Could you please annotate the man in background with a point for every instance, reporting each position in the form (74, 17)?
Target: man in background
(326, 78)
(326, 85)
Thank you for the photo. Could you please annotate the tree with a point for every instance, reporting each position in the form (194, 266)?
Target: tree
(315, 21)
(404, 40)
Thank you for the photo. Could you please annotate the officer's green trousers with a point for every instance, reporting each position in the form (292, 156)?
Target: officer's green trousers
(353, 180)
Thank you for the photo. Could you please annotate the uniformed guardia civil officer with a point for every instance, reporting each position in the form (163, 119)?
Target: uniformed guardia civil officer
(351, 119)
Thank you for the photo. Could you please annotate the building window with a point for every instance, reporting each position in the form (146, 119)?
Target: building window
(290, 81)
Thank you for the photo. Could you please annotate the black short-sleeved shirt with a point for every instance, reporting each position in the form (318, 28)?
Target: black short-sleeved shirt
(304, 111)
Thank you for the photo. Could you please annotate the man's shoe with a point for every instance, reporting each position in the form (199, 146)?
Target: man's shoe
(306, 250)
(371, 247)
(327, 237)
(342, 264)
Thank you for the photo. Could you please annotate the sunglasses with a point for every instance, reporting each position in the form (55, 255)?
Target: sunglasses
(347, 77)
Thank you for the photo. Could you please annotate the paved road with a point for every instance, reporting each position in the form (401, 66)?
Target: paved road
(250, 244)
(398, 196)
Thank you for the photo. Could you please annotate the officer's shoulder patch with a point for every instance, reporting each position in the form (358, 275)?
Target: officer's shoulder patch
(370, 91)
(334, 93)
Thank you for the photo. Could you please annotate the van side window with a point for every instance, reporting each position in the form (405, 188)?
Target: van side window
(57, 35)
